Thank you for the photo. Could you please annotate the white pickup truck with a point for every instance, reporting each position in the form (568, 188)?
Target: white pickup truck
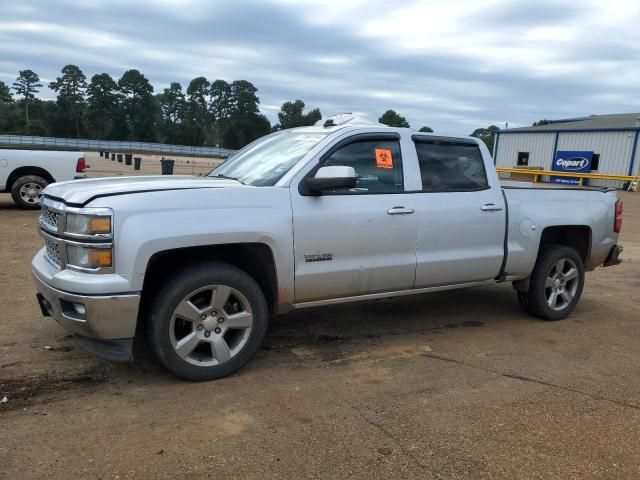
(25, 173)
(338, 212)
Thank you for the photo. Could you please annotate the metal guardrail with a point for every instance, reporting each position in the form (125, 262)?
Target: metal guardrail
(536, 174)
(53, 143)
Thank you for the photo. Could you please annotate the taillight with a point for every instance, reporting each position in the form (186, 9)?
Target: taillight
(81, 165)
(617, 224)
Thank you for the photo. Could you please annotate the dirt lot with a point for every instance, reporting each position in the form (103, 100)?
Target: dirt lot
(454, 385)
(150, 165)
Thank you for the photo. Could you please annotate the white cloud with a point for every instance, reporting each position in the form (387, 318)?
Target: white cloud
(452, 65)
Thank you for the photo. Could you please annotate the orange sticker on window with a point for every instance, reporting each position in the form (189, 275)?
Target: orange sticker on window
(384, 159)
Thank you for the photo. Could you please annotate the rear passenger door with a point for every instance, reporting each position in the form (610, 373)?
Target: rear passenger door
(461, 217)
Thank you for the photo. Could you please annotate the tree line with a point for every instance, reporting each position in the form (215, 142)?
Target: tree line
(212, 113)
(488, 134)
(103, 108)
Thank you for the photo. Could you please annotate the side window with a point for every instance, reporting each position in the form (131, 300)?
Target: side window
(378, 165)
(446, 166)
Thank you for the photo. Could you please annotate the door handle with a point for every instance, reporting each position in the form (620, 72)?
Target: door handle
(490, 207)
(398, 210)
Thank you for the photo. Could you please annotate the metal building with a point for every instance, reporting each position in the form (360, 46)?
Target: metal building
(598, 143)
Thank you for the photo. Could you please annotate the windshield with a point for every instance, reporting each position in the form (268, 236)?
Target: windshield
(266, 160)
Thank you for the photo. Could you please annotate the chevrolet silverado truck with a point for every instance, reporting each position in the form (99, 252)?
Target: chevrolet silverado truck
(338, 212)
(25, 173)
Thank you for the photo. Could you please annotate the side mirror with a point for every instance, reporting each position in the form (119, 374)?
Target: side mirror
(328, 178)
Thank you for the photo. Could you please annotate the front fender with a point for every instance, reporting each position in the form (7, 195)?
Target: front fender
(162, 221)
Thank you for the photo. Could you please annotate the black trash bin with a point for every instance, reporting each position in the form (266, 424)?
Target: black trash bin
(167, 166)
(101, 154)
(136, 163)
(127, 159)
(113, 157)
(119, 158)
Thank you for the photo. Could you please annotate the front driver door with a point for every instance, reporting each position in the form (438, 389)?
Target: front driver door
(356, 241)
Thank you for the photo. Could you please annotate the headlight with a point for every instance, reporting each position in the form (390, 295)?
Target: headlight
(89, 257)
(82, 224)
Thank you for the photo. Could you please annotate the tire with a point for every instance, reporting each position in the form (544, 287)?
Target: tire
(556, 283)
(26, 191)
(207, 321)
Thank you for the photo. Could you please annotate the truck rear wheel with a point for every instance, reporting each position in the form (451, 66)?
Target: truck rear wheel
(207, 321)
(26, 191)
(556, 283)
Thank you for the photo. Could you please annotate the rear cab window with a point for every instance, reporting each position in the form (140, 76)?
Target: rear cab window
(450, 165)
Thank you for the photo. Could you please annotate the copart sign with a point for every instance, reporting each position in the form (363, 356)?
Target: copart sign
(571, 161)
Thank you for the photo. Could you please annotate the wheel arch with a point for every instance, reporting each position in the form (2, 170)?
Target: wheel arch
(577, 237)
(255, 259)
(29, 170)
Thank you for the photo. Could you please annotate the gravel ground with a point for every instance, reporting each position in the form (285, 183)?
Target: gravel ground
(451, 385)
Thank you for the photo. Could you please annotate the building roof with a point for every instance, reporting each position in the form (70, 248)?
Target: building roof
(617, 121)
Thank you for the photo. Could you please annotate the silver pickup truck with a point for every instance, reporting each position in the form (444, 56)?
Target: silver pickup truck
(338, 212)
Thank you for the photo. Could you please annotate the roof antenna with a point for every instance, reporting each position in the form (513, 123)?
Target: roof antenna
(329, 123)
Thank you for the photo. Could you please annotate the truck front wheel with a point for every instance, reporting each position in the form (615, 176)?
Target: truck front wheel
(26, 191)
(556, 283)
(207, 321)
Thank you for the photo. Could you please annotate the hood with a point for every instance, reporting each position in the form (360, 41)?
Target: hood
(80, 192)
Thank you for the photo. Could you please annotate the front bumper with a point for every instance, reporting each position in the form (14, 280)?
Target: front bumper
(103, 324)
(614, 256)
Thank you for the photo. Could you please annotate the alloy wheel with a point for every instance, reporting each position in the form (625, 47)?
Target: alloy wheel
(211, 325)
(561, 284)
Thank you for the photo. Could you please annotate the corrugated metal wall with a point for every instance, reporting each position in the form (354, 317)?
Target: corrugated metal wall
(636, 162)
(539, 146)
(614, 148)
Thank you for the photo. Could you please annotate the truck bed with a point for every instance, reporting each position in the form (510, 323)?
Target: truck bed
(534, 207)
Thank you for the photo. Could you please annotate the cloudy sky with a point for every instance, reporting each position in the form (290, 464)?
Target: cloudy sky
(454, 65)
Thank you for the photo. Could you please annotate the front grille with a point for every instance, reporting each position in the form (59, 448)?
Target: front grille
(49, 218)
(53, 252)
